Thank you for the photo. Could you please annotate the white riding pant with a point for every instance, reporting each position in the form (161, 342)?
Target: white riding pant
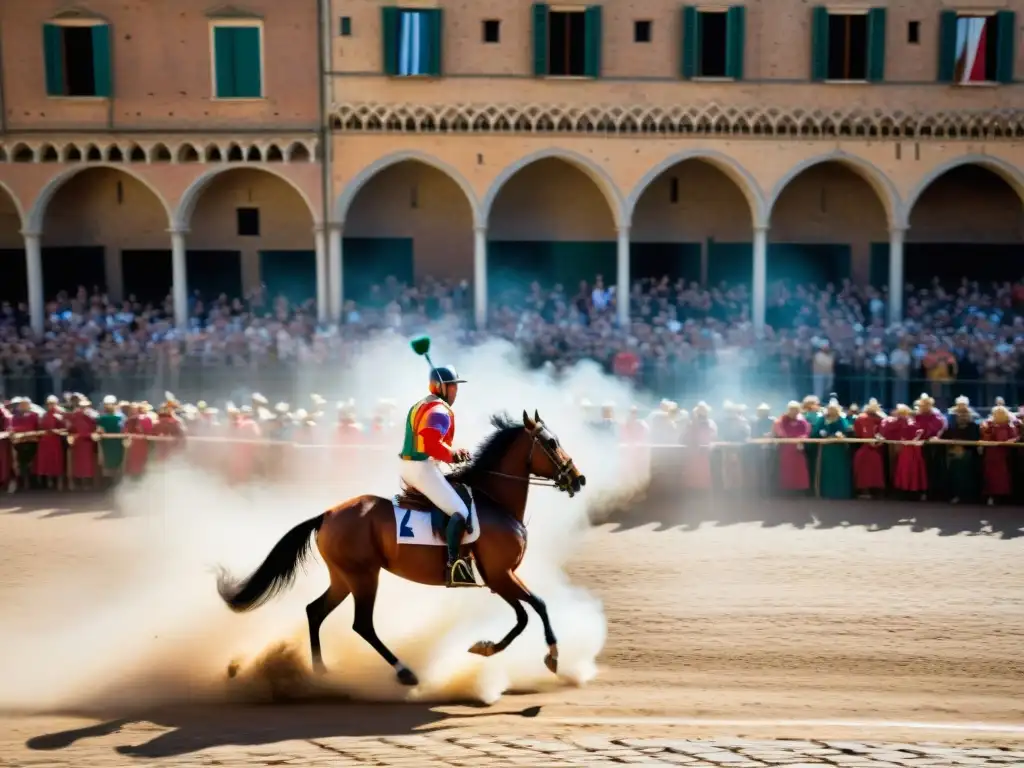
(427, 478)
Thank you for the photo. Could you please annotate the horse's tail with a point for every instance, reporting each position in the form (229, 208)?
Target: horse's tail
(275, 574)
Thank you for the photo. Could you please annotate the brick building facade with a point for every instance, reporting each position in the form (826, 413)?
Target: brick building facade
(317, 147)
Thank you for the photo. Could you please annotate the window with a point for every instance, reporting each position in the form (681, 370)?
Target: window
(977, 47)
(714, 42)
(346, 26)
(412, 41)
(248, 222)
(913, 32)
(77, 59)
(848, 46)
(641, 31)
(492, 31)
(567, 43)
(238, 61)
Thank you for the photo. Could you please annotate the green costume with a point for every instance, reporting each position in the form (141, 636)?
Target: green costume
(833, 478)
(111, 451)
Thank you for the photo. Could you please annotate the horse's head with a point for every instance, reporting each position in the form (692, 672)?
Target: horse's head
(548, 459)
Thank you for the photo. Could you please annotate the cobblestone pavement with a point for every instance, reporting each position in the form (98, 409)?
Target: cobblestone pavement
(484, 751)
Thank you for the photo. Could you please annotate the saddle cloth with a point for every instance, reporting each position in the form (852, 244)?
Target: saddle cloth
(414, 526)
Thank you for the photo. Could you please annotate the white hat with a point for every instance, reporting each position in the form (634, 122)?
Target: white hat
(110, 400)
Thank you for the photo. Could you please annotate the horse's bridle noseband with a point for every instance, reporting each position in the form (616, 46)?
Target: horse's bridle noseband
(567, 478)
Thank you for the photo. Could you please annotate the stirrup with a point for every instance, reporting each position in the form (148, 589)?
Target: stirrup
(459, 574)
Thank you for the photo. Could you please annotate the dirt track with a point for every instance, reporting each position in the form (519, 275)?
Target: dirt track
(719, 627)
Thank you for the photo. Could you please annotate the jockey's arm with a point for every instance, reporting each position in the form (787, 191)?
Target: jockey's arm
(433, 430)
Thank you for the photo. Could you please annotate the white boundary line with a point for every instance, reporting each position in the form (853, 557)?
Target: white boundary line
(691, 722)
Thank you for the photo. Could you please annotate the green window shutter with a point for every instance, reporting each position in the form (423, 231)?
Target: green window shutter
(947, 46)
(435, 19)
(53, 54)
(1006, 31)
(224, 61)
(389, 38)
(102, 74)
(540, 40)
(736, 40)
(819, 43)
(248, 74)
(592, 41)
(690, 54)
(876, 45)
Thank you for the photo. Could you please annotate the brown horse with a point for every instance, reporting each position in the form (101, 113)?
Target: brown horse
(357, 538)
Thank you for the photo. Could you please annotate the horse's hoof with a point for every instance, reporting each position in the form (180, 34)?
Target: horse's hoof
(319, 667)
(551, 663)
(233, 668)
(406, 677)
(484, 648)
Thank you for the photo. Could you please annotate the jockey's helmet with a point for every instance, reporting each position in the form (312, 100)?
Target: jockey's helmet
(442, 376)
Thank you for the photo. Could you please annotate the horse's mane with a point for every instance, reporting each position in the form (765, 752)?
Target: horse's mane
(490, 451)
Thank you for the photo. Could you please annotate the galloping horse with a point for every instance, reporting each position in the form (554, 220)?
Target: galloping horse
(360, 536)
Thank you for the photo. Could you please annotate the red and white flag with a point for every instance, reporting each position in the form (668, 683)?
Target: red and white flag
(971, 40)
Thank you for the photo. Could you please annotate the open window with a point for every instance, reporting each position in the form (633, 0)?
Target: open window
(977, 48)
(566, 41)
(77, 57)
(848, 46)
(713, 42)
(412, 40)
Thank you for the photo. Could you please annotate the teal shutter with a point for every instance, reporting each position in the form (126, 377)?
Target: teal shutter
(592, 41)
(1006, 39)
(389, 38)
(248, 74)
(876, 45)
(540, 40)
(736, 41)
(819, 43)
(947, 46)
(102, 74)
(435, 19)
(690, 54)
(53, 54)
(224, 61)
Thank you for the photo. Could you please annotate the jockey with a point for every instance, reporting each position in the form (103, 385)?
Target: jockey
(429, 432)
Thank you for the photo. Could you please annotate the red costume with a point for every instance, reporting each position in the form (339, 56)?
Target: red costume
(50, 458)
(996, 475)
(698, 436)
(137, 452)
(869, 460)
(84, 462)
(243, 456)
(793, 474)
(169, 425)
(910, 473)
(6, 452)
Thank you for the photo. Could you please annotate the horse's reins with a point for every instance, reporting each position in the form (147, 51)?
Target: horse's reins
(561, 480)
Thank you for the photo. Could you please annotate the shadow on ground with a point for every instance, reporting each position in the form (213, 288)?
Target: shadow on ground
(666, 506)
(196, 728)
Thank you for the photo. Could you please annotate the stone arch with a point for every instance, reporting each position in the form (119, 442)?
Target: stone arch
(186, 206)
(6, 191)
(596, 173)
(187, 153)
(37, 213)
(348, 194)
(1010, 173)
(71, 153)
(879, 182)
(748, 186)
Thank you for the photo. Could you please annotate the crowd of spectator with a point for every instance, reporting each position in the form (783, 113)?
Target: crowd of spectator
(683, 339)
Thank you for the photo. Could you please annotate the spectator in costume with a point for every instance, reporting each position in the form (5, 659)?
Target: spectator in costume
(997, 477)
(832, 479)
(869, 459)
(962, 462)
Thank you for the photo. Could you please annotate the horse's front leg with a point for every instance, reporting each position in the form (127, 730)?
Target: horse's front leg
(513, 592)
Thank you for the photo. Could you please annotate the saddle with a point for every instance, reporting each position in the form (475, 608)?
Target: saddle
(411, 498)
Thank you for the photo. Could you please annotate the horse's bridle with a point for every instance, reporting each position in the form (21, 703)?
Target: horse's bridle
(566, 474)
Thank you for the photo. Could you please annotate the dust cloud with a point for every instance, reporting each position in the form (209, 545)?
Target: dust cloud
(148, 628)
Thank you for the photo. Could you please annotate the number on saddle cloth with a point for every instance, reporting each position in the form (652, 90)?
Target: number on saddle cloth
(419, 521)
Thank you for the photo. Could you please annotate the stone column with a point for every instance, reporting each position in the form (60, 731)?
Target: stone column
(759, 284)
(179, 279)
(335, 275)
(480, 275)
(622, 278)
(34, 271)
(896, 235)
(323, 310)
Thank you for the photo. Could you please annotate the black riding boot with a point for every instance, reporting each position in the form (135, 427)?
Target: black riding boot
(458, 573)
